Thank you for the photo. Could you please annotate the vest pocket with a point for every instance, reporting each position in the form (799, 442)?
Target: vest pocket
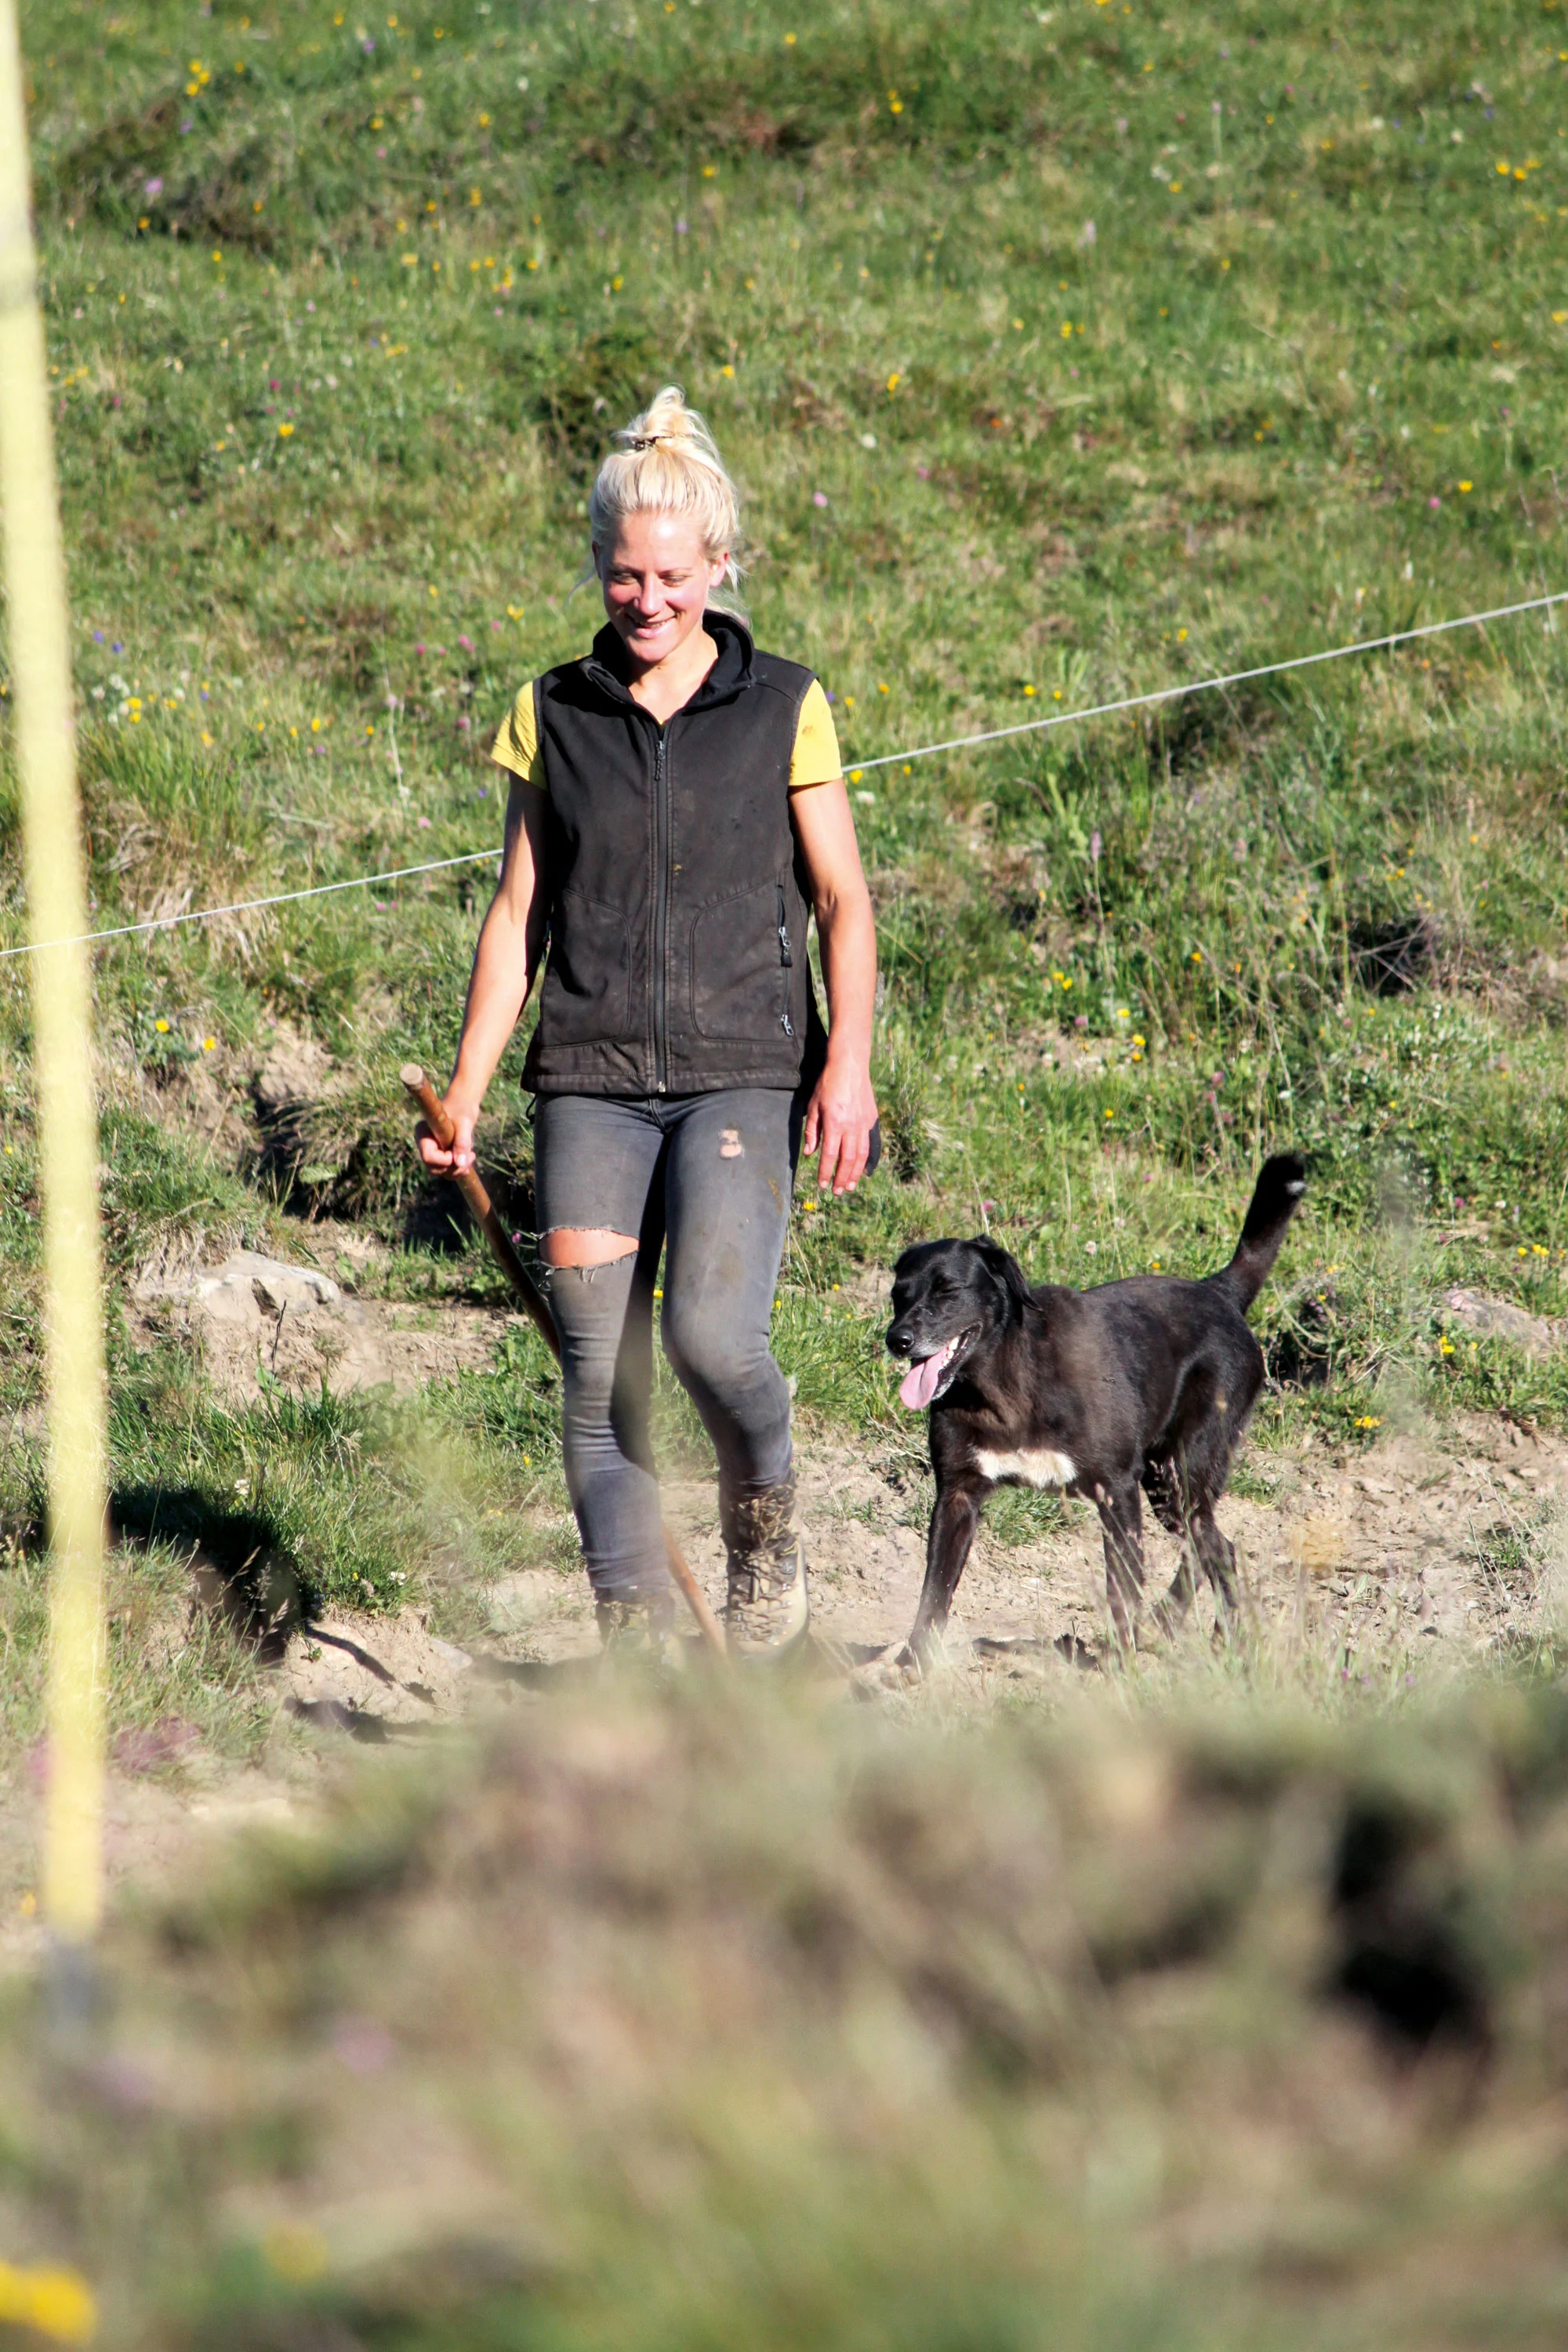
(587, 982)
(739, 976)
(787, 965)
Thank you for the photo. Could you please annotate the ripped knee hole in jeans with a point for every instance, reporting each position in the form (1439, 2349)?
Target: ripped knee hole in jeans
(551, 1268)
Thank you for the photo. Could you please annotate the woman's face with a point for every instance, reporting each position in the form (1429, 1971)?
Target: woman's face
(656, 579)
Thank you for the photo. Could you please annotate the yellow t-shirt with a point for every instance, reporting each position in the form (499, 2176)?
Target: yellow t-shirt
(813, 761)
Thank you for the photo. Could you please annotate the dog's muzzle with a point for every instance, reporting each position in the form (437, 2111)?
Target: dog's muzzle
(928, 1376)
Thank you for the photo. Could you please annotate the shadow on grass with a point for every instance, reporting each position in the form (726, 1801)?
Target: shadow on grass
(369, 1729)
(240, 1562)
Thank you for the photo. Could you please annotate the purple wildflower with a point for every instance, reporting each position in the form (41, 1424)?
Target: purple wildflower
(362, 2045)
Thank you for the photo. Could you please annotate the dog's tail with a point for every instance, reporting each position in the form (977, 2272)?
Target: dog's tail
(1280, 1185)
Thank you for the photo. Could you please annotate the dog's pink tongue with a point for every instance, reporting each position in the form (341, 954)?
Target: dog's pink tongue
(918, 1385)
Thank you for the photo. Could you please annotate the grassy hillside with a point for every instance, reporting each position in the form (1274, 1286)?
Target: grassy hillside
(1061, 353)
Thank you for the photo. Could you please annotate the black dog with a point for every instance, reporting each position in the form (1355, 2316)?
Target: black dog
(1144, 1384)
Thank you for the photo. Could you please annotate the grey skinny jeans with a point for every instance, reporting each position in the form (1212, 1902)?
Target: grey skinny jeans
(712, 1174)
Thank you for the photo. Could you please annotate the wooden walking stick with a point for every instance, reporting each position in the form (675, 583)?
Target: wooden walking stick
(536, 1307)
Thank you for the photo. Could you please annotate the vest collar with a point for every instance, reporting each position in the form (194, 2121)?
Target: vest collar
(731, 675)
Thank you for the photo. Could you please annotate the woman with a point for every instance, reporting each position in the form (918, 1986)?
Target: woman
(675, 805)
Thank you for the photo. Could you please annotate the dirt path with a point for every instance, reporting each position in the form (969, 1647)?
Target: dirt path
(1426, 1536)
(1420, 1544)
(1409, 1540)
(1426, 1550)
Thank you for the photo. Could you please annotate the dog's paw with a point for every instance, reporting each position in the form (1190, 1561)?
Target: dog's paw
(1077, 1652)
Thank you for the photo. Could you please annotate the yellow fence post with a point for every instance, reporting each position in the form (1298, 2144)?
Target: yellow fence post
(39, 641)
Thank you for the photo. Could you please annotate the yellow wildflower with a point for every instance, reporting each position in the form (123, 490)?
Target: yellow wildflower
(53, 2302)
(296, 2251)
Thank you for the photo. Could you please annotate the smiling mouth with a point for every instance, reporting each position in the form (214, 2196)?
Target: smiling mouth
(931, 1375)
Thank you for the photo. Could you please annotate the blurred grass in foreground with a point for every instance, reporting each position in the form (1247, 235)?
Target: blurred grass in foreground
(700, 2023)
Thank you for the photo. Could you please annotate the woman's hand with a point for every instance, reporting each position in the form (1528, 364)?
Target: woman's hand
(838, 1121)
(436, 1156)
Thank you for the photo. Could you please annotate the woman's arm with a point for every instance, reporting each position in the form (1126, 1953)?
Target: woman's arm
(843, 1109)
(510, 939)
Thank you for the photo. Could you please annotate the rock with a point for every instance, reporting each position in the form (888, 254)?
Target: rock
(1497, 1318)
(248, 1279)
(246, 1284)
(449, 1653)
(301, 1328)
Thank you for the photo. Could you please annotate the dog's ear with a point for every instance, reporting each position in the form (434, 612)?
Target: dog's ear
(1004, 1270)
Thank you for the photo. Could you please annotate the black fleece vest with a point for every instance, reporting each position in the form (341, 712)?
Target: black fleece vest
(678, 905)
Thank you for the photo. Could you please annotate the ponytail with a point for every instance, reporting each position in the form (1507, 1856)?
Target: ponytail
(668, 463)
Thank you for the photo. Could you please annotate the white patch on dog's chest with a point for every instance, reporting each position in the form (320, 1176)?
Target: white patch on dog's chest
(1036, 1466)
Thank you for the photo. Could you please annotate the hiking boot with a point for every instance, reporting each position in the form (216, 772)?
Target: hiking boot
(767, 1610)
(638, 1629)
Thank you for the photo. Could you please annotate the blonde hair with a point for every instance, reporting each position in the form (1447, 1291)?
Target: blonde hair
(668, 463)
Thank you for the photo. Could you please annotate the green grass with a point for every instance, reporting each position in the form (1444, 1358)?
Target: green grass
(1121, 349)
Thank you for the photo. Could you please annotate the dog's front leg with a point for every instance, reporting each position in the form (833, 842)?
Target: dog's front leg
(953, 1524)
(1122, 1525)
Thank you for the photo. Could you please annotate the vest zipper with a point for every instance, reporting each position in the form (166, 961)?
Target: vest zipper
(786, 960)
(660, 913)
